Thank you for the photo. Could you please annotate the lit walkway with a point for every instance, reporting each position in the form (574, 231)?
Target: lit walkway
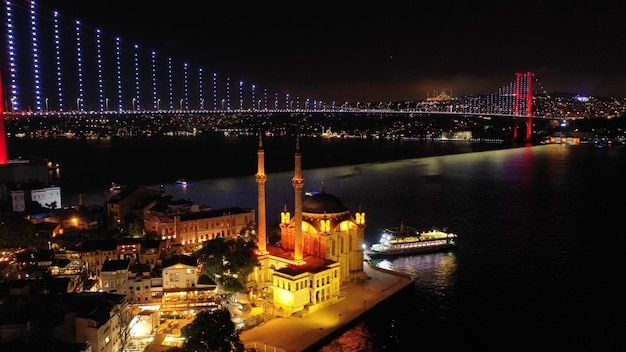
(294, 334)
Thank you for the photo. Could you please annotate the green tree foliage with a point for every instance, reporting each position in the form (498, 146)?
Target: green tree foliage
(212, 256)
(229, 259)
(212, 331)
(231, 284)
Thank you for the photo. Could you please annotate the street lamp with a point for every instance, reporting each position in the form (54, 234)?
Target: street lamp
(77, 104)
(222, 104)
(181, 104)
(258, 105)
(46, 104)
(134, 103)
(159, 104)
(106, 104)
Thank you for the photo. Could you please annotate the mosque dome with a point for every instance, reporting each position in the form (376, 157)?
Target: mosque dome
(321, 203)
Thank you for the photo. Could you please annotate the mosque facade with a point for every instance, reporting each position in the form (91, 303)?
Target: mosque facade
(320, 248)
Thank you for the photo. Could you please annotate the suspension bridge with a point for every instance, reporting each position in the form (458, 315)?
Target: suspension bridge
(54, 65)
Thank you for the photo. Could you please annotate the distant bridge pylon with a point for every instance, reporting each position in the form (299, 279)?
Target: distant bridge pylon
(523, 103)
(3, 142)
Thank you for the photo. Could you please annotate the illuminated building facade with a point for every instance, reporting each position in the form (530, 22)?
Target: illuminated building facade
(121, 205)
(142, 287)
(184, 288)
(46, 197)
(114, 276)
(25, 181)
(191, 228)
(321, 247)
(104, 325)
(441, 97)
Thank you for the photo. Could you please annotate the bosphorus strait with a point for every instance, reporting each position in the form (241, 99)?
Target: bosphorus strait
(537, 263)
(253, 178)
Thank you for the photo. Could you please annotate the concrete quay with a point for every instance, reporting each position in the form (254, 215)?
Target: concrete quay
(308, 333)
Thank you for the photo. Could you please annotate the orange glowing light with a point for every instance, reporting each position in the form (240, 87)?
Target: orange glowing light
(360, 218)
(299, 262)
(284, 217)
(325, 225)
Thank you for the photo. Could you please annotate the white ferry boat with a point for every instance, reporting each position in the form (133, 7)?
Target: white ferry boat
(407, 240)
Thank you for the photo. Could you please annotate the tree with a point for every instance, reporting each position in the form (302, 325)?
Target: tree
(248, 232)
(273, 234)
(211, 331)
(51, 205)
(16, 232)
(212, 256)
(229, 259)
(231, 284)
(72, 236)
(34, 207)
(152, 236)
(133, 226)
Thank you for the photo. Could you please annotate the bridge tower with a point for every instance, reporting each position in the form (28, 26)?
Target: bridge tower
(3, 137)
(523, 105)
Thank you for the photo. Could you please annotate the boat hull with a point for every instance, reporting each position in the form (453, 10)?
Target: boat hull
(414, 250)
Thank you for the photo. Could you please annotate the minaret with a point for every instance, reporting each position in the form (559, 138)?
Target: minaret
(298, 183)
(261, 179)
(3, 137)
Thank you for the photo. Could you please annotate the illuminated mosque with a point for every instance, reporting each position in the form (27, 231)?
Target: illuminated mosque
(321, 247)
(443, 96)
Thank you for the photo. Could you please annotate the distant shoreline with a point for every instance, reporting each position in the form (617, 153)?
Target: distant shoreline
(90, 166)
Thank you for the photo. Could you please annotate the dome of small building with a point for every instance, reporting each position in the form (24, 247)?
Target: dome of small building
(321, 203)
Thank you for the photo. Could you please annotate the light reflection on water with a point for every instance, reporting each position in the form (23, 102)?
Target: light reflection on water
(433, 273)
(432, 268)
(434, 276)
(357, 339)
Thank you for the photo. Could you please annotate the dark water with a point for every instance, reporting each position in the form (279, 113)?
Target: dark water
(539, 263)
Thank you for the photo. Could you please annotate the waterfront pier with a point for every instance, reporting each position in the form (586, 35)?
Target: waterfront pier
(309, 332)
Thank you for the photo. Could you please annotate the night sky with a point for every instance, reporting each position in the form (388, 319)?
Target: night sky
(375, 50)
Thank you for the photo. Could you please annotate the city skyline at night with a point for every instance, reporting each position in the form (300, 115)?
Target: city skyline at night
(352, 53)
